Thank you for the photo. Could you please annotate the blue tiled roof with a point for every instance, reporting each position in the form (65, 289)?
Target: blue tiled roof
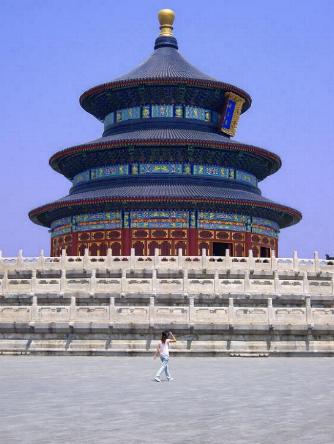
(165, 189)
(166, 134)
(165, 63)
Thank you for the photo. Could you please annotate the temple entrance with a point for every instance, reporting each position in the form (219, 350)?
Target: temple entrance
(219, 249)
(265, 252)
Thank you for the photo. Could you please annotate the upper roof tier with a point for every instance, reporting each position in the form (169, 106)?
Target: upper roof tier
(162, 76)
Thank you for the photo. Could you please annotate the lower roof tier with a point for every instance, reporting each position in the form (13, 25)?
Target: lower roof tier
(166, 144)
(166, 194)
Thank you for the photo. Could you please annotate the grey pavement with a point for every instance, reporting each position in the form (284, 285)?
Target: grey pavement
(212, 400)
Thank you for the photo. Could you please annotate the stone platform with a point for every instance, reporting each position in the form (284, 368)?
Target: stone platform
(81, 400)
(119, 305)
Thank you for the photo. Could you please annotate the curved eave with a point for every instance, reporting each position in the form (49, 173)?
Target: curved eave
(68, 152)
(42, 216)
(91, 93)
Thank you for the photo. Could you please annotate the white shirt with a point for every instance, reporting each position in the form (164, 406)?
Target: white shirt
(164, 347)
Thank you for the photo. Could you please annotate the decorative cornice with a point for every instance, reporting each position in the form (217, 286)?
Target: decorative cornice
(295, 214)
(177, 81)
(158, 142)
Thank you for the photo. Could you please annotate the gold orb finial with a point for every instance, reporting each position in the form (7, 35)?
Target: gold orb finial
(166, 20)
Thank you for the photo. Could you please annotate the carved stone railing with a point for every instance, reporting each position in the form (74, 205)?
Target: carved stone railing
(159, 262)
(111, 314)
(166, 275)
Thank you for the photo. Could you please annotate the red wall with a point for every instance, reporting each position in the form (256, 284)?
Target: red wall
(144, 241)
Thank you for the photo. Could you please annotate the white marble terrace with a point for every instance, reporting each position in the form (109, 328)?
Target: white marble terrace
(157, 274)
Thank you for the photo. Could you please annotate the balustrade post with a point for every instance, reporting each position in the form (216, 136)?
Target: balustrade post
(156, 257)
(191, 318)
(109, 258)
(33, 281)
(155, 283)
(85, 260)
(309, 314)
(204, 258)
(123, 281)
(306, 288)
(185, 281)
(251, 261)
(73, 308)
(19, 258)
(92, 283)
(247, 285)
(34, 309)
(273, 261)
(5, 282)
(41, 259)
(216, 282)
(112, 310)
(316, 262)
(230, 312)
(151, 311)
(228, 260)
(63, 259)
(295, 261)
(63, 281)
(132, 259)
(270, 312)
(180, 259)
(276, 281)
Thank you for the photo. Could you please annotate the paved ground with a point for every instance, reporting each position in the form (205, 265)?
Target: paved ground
(212, 400)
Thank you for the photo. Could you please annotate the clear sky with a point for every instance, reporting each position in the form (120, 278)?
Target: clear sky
(280, 51)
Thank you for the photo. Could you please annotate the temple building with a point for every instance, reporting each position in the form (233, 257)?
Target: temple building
(166, 173)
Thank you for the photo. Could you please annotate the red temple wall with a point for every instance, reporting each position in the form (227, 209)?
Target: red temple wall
(168, 241)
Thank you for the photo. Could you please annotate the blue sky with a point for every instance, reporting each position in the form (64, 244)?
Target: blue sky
(281, 52)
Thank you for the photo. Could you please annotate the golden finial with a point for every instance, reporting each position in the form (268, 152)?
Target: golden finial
(166, 19)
